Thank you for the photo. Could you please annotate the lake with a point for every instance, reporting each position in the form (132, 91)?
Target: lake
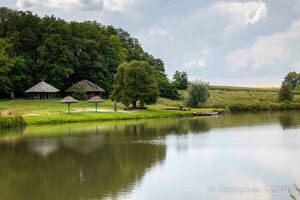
(242, 156)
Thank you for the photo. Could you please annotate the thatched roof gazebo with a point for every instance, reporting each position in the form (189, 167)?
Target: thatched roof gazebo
(90, 88)
(68, 100)
(42, 90)
(96, 100)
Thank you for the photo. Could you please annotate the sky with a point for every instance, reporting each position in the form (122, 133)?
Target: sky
(239, 43)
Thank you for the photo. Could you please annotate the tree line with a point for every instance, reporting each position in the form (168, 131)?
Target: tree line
(62, 53)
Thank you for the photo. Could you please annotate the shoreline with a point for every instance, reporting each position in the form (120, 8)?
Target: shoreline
(85, 117)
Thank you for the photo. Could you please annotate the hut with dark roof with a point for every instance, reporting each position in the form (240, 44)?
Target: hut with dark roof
(42, 90)
(89, 88)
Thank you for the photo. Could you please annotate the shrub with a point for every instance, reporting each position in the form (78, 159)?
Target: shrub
(197, 93)
(285, 93)
(79, 92)
(167, 89)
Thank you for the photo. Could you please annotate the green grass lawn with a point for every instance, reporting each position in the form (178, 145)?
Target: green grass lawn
(53, 112)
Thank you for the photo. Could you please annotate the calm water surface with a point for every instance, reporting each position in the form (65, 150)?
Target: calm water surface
(245, 156)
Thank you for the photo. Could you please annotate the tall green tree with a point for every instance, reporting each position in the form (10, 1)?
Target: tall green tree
(135, 82)
(180, 79)
(285, 92)
(12, 71)
(197, 93)
(5, 68)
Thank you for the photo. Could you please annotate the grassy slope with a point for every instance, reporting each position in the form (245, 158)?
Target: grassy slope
(247, 99)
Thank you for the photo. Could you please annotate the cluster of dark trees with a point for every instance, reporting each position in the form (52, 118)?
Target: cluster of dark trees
(34, 48)
(180, 80)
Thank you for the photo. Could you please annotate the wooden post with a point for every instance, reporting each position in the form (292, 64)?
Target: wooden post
(68, 107)
(96, 107)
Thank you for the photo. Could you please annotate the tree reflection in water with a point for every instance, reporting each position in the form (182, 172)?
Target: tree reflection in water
(84, 163)
(289, 120)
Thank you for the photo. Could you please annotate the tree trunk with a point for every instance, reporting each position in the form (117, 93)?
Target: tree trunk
(134, 104)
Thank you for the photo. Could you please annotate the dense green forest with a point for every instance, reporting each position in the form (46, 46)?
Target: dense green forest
(34, 48)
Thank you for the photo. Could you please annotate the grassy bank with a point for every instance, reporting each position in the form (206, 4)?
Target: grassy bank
(37, 112)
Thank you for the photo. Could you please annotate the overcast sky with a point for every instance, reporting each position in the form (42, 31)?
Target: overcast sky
(249, 43)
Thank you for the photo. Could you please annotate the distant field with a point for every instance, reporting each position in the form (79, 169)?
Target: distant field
(235, 88)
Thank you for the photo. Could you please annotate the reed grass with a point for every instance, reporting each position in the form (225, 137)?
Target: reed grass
(12, 121)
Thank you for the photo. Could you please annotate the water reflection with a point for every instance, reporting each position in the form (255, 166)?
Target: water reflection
(176, 158)
(69, 168)
(289, 120)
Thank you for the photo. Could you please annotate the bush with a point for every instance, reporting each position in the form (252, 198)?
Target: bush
(285, 93)
(168, 90)
(197, 93)
(79, 92)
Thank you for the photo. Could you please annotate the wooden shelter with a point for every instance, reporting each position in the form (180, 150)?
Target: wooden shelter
(96, 100)
(68, 100)
(42, 90)
(90, 89)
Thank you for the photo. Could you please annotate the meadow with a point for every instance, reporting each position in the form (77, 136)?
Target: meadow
(237, 99)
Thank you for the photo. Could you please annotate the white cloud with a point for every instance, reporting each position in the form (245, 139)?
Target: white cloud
(27, 3)
(117, 5)
(199, 59)
(243, 14)
(266, 50)
(157, 32)
(109, 5)
(67, 4)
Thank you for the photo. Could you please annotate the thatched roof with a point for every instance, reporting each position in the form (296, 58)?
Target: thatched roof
(42, 87)
(88, 86)
(68, 99)
(95, 99)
